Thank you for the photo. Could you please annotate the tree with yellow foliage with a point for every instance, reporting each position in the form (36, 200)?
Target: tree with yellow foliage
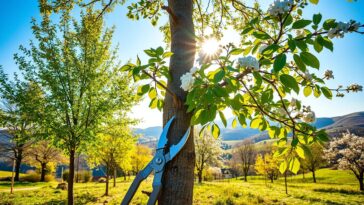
(140, 157)
(267, 165)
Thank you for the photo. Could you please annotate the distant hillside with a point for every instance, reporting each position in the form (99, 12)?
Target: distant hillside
(353, 122)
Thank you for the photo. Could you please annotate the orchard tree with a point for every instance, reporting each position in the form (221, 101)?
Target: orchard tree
(44, 155)
(75, 65)
(315, 160)
(20, 115)
(140, 157)
(208, 150)
(267, 165)
(112, 147)
(274, 60)
(247, 155)
(347, 153)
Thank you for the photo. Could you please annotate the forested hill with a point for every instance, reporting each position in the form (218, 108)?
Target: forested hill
(353, 122)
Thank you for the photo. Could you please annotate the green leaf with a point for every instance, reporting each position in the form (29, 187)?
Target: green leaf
(236, 51)
(150, 53)
(328, 24)
(279, 62)
(294, 165)
(143, 89)
(307, 91)
(152, 93)
(223, 119)
(310, 60)
(234, 123)
(167, 54)
(261, 35)
(300, 152)
(322, 136)
(317, 46)
(314, 1)
(270, 49)
(283, 167)
(317, 18)
(255, 123)
(215, 131)
(301, 24)
(291, 44)
(327, 43)
(219, 75)
(289, 82)
(159, 50)
(196, 117)
(154, 103)
(297, 59)
(327, 92)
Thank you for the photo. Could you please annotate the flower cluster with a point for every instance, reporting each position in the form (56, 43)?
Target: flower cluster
(347, 152)
(308, 115)
(329, 74)
(280, 7)
(248, 62)
(355, 87)
(342, 28)
(187, 79)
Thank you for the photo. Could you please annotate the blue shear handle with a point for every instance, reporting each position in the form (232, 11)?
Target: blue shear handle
(134, 186)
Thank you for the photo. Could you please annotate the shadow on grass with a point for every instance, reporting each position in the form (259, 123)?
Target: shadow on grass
(341, 191)
(313, 200)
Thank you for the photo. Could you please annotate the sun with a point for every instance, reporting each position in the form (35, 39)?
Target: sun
(210, 46)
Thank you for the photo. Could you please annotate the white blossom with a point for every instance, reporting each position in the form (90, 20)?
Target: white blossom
(187, 81)
(355, 87)
(300, 32)
(307, 76)
(308, 117)
(280, 111)
(329, 74)
(293, 103)
(248, 62)
(193, 70)
(280, 7)
(342, 28)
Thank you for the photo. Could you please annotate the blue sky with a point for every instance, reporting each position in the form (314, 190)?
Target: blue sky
(134, 36)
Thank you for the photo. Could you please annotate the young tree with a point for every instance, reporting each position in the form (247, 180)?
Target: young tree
(247, 155)
(76, 67)
(347, 153)
(197, 95)
(41, 154)
(208, 150)
(267, 165)
(20, 114)
(140, 157)
(112, 147)
(315, 160)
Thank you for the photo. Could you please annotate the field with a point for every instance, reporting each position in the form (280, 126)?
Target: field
(333, 187)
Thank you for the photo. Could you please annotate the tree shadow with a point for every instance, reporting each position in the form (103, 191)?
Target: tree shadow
(85, 198)
(55, 202)
(341, 191)
(313, 200)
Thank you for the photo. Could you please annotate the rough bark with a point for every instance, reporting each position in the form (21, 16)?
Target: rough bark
(71, 177)
(114, 185)
(42, 172)
(107, 181)
(199, 177)
(179, 173)
(314, 176)
(18, 159)
(361, 184)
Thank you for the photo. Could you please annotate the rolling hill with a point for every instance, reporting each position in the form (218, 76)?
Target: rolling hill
(334, 126)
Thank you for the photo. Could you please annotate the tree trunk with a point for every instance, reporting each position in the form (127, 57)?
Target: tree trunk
(114, 177)
(361, 184)
(179, 173)
(78, 168)
(285, 181)
(42, 172)
(314, 176)
(71, 177)
(107, 181)
(18, 159)
(199, 174)
(245, 176)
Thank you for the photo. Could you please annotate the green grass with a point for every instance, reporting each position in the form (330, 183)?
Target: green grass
(334, 187)
(7, 174)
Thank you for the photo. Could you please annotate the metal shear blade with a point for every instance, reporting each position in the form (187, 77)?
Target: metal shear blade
(157, 165)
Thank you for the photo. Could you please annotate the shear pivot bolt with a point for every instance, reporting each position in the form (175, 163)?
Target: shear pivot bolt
(158, 160)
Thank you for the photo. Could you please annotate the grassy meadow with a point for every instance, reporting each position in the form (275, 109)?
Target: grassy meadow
(334, 187)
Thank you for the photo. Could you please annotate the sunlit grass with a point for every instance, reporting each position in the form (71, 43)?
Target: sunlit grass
(333, 187)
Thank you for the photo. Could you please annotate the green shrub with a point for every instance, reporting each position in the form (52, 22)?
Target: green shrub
(83, 176)
(32, 177)
(65, 175)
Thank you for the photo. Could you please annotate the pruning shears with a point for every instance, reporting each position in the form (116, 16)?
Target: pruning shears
(160, 159)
